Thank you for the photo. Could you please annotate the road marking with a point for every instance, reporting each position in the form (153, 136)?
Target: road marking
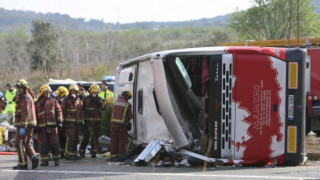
(161, 174)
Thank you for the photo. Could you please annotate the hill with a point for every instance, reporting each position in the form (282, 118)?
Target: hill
(62, 21)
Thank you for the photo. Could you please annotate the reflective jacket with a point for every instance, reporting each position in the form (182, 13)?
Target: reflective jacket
(107, 96)
(92, 107)
(48, 112)
(10, 94)
(60, 101)
(25, 114)
(71, 110)
(121, 113)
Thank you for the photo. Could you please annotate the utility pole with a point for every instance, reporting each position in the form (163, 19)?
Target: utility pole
(298, 21)
(290, 23)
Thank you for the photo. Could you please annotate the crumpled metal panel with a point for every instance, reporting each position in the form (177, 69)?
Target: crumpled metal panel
(167, 110)
(150, 151)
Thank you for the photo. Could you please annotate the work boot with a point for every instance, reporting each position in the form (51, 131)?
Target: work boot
(114, 159)
(56, 162)
(44, 163)
(82, 156)
(93, 155)
(121, 158)
(71, 158)
(20, 167)
(35, 161)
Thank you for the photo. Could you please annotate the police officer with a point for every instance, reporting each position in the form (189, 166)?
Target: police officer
(10, 108)
(107, 96)
(25, 121)
(72, 114)
(92, 106)
(121, 116)
(49, 117)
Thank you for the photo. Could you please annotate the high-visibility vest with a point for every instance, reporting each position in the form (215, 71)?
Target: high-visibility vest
(10, 95)
(107, 96)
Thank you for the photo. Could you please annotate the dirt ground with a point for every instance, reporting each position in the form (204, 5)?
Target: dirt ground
(312, 143)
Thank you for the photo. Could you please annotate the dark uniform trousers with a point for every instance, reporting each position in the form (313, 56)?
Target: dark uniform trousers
(118, 139)
(72, 132)
(91, 129)
(23, 145)
(48, 137)
(62, 138)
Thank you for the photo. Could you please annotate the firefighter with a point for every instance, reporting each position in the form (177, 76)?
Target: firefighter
(25, 121)
(92, 107)
(49, 117)
(71, 110)
(107, 96)
(120, 121)
(82, 91)
(61, 93)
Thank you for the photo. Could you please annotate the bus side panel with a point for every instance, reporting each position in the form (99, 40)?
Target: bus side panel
(259, 128)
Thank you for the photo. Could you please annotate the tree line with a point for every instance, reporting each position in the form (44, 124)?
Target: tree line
(47, 52)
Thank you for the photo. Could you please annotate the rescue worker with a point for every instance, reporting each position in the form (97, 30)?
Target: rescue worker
(82, 91)
(10, 94)
(121, 116)
(61, 93)
(25, 117)
(71, 110)
(92, 106)
(10, 108)
(107, 96)
(49, 117)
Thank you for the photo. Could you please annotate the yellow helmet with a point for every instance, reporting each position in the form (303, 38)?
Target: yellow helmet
(74, 87)
(62, 91)
(127, 94)
(22, 84)
(94, 88)
(44, 88)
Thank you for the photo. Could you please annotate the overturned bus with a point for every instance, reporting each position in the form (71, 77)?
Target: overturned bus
(243, 105)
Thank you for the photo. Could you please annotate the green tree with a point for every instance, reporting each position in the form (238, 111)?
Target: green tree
(44, 46)
(270, 19)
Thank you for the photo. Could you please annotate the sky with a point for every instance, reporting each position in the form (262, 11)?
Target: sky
(127, 11)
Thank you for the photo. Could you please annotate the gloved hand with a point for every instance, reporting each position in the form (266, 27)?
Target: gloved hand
(22, 131)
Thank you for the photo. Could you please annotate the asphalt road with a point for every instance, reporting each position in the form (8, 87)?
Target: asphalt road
(99, 168)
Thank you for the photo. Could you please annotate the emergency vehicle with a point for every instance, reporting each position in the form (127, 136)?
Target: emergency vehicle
(311, 44)
(242, 105)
